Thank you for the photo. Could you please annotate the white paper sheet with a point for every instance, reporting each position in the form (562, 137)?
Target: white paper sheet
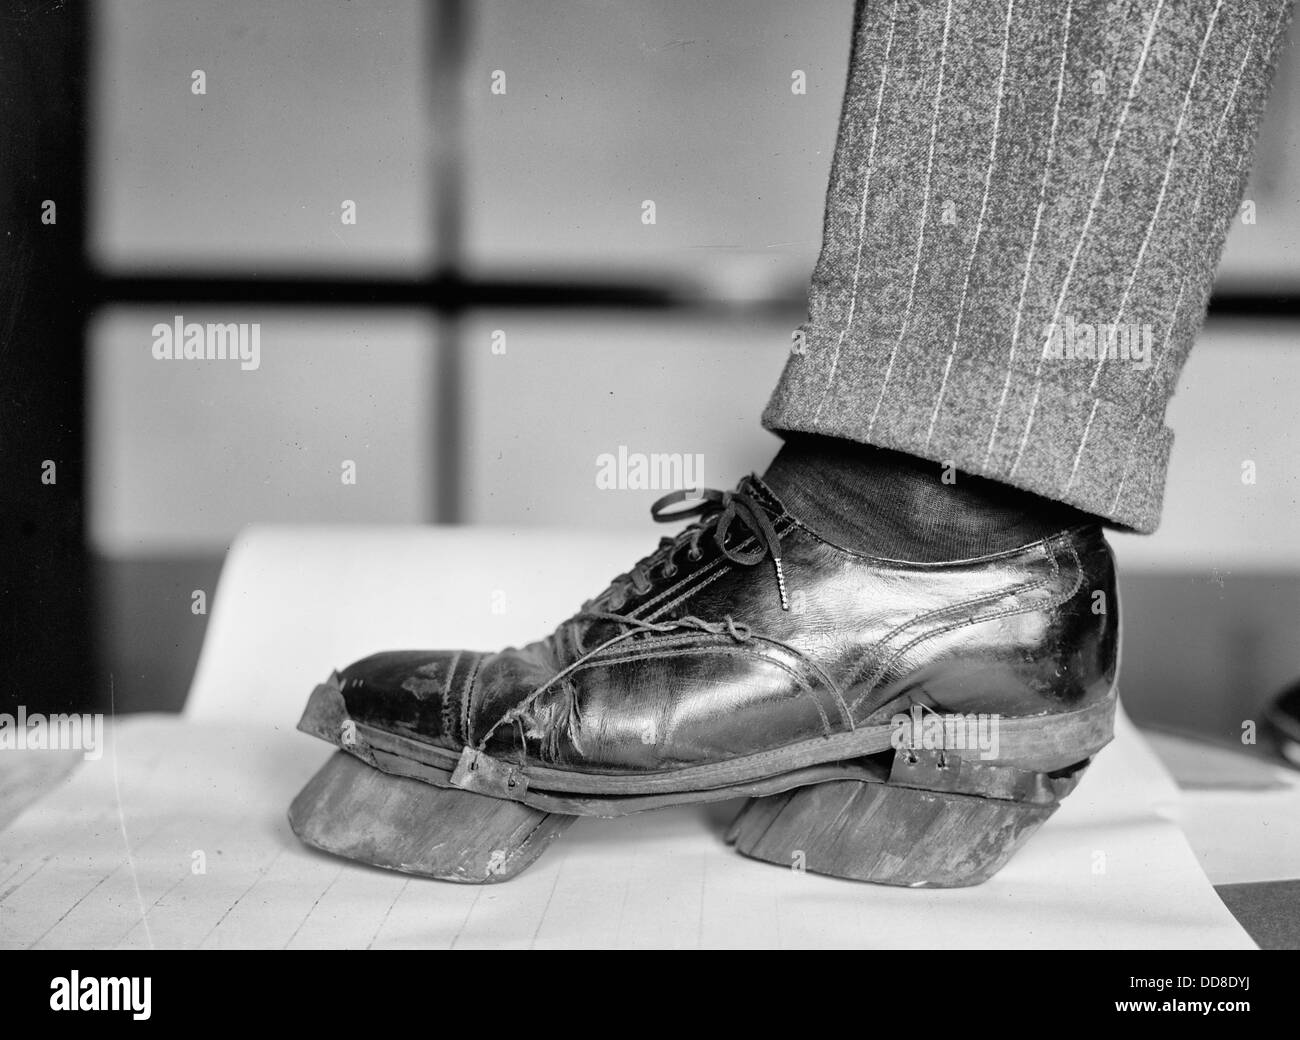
(110, 858)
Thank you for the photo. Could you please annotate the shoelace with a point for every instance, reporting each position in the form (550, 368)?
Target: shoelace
(738, 631)
(729, 507)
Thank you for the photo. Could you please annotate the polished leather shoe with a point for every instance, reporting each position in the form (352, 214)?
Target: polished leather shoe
(749, 656)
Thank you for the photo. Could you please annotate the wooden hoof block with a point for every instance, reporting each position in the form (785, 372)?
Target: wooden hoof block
(891, 834)
(353, 810)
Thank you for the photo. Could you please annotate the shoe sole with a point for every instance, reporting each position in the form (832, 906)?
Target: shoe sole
(1040, 743)
(840, 805)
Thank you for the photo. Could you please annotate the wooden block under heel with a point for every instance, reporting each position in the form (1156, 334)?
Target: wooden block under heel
(892, 834)
(351, 809)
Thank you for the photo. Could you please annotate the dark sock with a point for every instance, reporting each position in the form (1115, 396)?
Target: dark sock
(886, 503)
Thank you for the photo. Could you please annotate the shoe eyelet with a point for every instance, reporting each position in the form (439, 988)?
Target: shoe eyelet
(695, 556)
(669, 571)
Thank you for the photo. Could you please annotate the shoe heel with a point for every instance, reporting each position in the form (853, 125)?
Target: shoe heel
(939, 821)
(353, 810)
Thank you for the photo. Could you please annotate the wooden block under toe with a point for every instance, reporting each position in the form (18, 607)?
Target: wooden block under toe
(351, 809)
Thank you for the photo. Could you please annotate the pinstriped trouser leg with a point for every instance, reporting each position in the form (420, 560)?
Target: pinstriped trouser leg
(1027, 204)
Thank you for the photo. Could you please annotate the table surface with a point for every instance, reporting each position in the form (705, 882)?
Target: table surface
(107, 854)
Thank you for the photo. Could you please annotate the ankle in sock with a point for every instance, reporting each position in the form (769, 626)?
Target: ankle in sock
(897, 506)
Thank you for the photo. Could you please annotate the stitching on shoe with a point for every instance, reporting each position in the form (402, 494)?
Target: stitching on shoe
(466, 696)
(1051, 605)
(684, 586)
(649, 647)
(448, 714)
(688, 593)
(712, 565)
(734, 651)
(1079, 568)
(576, 636)
(801, 680)
(817, 676)
(859, 666)
(882, 667)
(923, 566)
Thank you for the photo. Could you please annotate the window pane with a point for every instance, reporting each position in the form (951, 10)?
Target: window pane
(306, 106)
(691, 106)
(185, 452)
(634, 389)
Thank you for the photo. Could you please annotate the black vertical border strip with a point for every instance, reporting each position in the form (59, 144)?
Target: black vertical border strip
(46, 643)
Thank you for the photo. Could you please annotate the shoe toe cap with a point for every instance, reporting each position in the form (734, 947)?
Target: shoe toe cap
(416, 693)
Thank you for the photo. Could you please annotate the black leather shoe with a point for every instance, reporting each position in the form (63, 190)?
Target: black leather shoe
(748, 656)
